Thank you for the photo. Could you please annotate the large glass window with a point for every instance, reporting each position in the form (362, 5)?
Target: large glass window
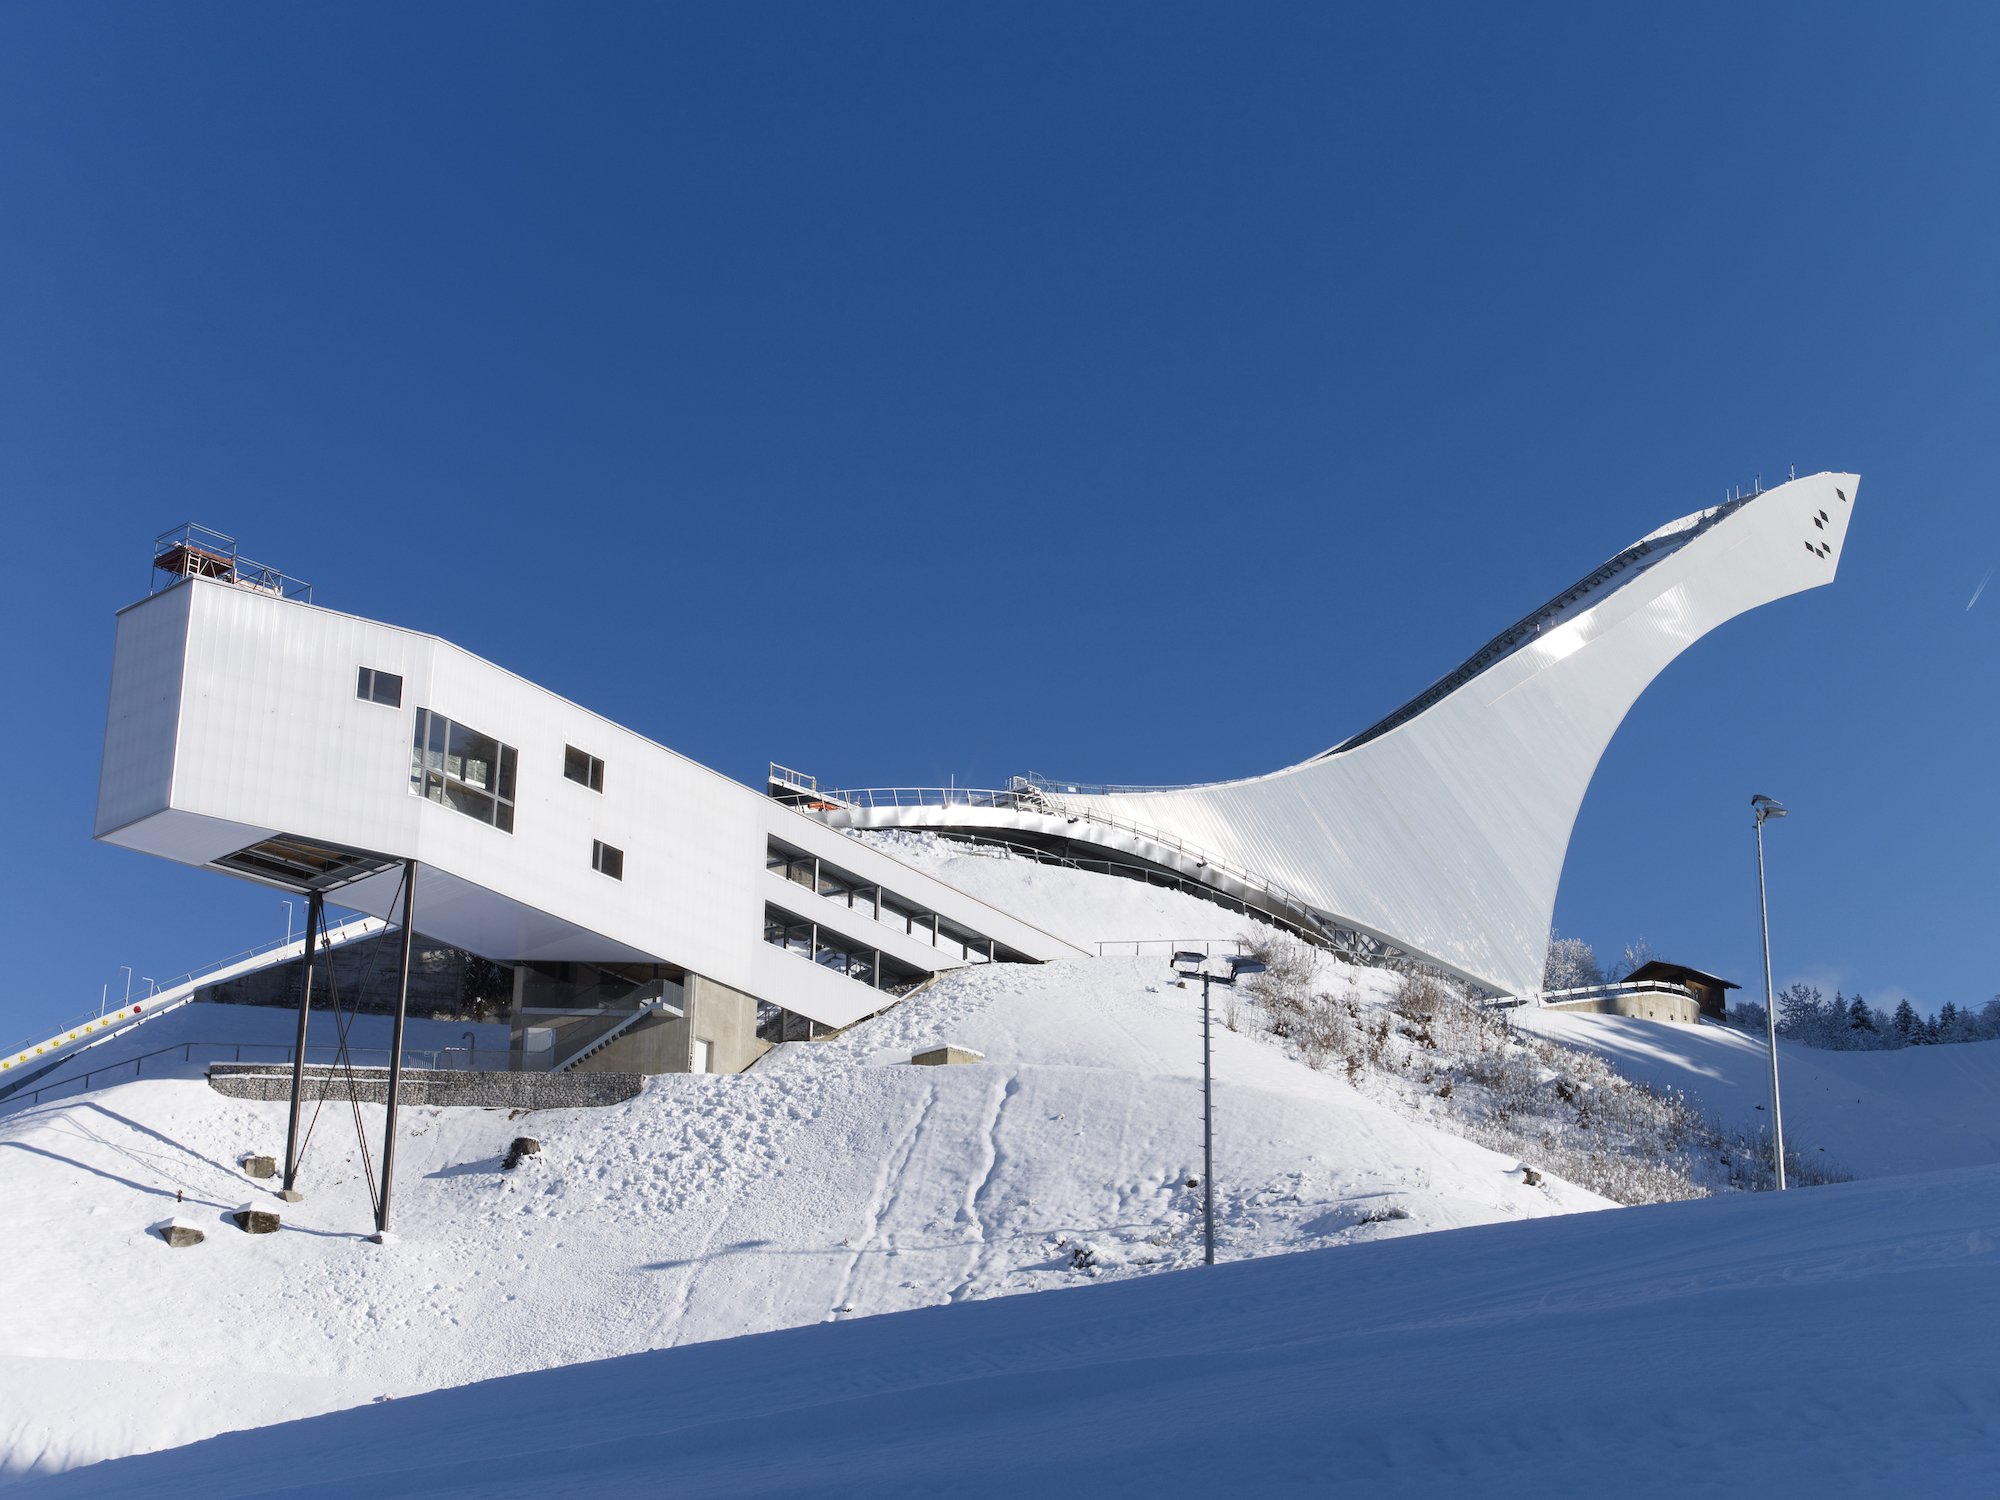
(850, 890)
(841, 954)
(467, 771)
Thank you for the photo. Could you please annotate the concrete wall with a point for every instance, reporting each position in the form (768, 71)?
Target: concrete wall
(423, 1086)
(657, 1044)
(725, 1018)
(1647, 1007)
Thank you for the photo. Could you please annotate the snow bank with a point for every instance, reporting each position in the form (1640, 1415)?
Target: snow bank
(1810, 1343)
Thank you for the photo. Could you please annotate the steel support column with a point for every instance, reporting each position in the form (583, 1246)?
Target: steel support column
(315, 917)
(396, 1044)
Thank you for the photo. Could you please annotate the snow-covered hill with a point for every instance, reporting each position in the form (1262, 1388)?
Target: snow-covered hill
(834, 1182)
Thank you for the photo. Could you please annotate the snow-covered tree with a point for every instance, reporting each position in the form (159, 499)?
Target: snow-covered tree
(1904, 1022)
(1636, 956)
(1571, 964)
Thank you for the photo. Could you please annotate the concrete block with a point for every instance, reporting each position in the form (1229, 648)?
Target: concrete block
(254, 1220)
(178, 1233)
(938, 1057)
(260, 1166)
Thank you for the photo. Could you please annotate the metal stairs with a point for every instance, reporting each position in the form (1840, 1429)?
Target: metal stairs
(605, 1039)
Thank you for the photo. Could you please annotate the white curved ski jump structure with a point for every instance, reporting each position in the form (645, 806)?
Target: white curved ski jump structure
(1444, 827)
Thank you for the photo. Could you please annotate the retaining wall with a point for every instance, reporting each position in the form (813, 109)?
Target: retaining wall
(427, 1086)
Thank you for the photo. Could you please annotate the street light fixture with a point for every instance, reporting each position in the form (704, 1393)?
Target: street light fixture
(1190, 965)
(1762, 808)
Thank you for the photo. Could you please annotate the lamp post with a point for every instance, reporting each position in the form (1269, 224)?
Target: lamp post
(1762, 808)
(1189, 964)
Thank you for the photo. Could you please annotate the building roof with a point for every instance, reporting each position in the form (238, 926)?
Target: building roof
(1659, 968)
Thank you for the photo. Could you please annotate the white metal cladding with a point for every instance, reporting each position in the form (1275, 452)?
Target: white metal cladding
(1447, 833)
(234, 717)
(143, 716)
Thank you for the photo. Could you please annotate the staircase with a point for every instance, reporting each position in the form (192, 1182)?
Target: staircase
(605, 1039)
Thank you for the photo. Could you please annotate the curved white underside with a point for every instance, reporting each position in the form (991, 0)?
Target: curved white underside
(1448, 832)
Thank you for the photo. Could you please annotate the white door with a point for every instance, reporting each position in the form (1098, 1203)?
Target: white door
(700, 1058)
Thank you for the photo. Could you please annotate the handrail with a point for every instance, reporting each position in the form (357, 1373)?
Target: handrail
(605, 1038)
(1170, 946)
(1616, 987)
(786, 776)
(176, 992)
(1026, 798)
(1529, 627)
(1152, 875)
(192, 551)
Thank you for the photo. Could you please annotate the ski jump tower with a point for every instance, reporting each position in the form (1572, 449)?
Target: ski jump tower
(1441, 830)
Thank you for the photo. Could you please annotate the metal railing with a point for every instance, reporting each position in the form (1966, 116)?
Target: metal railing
(1025, 797)
(1035, 781)
(659, 1005)
(1641, 554)
(799, 780)
(936, 796)
(1610, 988)
(1149, 947)
(460, 1059)
(177, 992)
(191, 551)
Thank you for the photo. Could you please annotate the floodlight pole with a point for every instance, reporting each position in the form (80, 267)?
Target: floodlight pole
(1763, 806)
(1207, 1133)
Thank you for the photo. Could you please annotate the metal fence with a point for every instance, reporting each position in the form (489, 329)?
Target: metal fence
(1168, 947)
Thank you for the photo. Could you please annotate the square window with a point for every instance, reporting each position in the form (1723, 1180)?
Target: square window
(606, 860)
(584, 769)
(385, 688)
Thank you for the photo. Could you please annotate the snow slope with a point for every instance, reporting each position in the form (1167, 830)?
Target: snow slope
(1083, 907)
(1870, 1113)
(836, 1182)
(1834, 1342)
(833, 1181)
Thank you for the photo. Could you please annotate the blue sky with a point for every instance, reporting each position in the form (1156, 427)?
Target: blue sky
(907, 392)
